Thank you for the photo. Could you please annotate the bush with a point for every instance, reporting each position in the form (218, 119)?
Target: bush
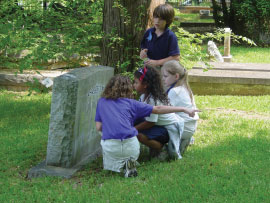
(256, 15)
(191, 45)
(246, 17)
(32, 35)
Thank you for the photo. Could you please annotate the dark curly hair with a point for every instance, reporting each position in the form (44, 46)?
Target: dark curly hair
(119, 86)
(154, 85)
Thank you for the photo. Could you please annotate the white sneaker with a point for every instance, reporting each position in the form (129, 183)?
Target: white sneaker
(130, 169)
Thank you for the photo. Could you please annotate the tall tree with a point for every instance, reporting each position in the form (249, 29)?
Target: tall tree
(124, 23)
(245, 17)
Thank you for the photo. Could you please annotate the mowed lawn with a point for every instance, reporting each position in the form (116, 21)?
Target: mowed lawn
(229, 161)
(245, 54)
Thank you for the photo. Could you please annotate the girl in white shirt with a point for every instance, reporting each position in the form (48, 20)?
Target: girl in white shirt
(174, 76)
(147, 82)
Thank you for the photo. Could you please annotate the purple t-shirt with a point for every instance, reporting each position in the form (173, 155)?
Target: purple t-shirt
(118, 115)
(160, 47)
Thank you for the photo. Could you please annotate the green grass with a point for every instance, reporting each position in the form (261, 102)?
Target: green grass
(228, 163)
(191, 17)
(244, 54)
(250, 54)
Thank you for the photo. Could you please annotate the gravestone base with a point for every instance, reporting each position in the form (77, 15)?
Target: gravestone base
(229, 89)
(42, 169)
(230, 79)
(227, 58)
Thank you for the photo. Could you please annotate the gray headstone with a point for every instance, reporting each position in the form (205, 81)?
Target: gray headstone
(205, 12)
(73, 140)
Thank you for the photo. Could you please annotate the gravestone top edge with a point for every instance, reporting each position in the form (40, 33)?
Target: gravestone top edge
(81, 73)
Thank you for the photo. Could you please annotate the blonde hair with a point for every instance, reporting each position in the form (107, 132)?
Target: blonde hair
(173, 67)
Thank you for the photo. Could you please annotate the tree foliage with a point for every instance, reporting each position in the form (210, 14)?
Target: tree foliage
(191, 45)
(33, 33)
(250, 18)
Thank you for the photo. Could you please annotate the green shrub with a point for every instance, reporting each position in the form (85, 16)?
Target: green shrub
(246, 17)
(43, 35)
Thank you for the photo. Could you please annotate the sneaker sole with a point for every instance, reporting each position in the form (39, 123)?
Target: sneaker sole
(131, 169)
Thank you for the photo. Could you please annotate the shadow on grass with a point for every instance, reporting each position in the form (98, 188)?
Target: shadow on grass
(229, 164)
(24, 109)
(231, 153)
(24, 128)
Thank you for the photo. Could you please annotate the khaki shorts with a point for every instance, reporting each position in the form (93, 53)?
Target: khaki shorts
(117, 152)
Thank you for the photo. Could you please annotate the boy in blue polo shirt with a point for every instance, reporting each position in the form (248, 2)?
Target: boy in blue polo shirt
(159, 43)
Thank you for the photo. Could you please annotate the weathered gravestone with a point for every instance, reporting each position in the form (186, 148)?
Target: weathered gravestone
(205, 14)
(73, 140)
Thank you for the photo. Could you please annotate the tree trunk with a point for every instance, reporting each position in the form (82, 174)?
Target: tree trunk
(124, 23)
(232, 16)
(225, 13)
(150, 11)
(44, 4)
(215, 12)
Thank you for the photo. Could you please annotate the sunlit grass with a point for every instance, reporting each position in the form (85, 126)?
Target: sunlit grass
(228, 163)
(250, 54)
(245, 54)
(191, 17)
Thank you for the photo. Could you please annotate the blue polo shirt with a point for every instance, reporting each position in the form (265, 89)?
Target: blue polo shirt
(160, 47)
(118, 115)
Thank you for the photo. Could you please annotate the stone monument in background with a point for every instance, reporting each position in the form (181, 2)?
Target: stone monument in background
(73, 140)
(227, 45)
(214, 52)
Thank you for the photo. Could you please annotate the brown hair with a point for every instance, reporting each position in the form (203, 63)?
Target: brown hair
(165, 12)
(173, 67)
(119, 86)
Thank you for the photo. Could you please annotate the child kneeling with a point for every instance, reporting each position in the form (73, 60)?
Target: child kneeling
(115, 116)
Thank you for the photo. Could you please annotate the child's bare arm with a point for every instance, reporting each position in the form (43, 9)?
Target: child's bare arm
(172, 109)
(144, 125)
(99, 126)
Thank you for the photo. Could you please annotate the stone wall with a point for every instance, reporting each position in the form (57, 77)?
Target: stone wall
(198, 27)
(194, 9)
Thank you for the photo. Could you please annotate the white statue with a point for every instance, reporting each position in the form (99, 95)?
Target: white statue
(213, 51)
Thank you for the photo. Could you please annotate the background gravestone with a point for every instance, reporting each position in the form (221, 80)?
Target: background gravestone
(73, 140)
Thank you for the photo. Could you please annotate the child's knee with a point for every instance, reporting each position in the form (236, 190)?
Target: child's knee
(141, 137)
